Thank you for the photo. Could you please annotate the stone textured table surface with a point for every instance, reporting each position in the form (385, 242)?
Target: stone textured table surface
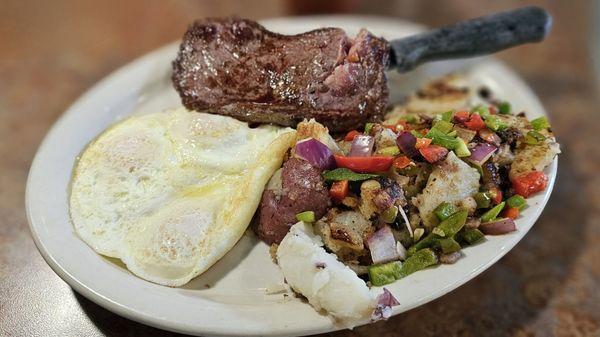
(52, 51)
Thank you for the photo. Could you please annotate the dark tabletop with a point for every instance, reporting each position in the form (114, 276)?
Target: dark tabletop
(549, 284)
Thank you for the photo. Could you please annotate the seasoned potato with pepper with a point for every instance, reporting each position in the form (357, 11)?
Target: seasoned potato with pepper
(451, 181)
(344, 233)
(534, 157)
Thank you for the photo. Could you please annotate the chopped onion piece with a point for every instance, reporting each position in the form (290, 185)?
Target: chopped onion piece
(383, 246)
(481, 153)
(406, 142)
(362, 146)
(406, 222)
(316, 153)
(498, 226)
(401, 251)
(385, 302)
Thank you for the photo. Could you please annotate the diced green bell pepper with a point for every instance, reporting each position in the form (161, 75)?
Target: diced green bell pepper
(410, 251)
(383, 274)
(445, 210)
(495, 123)
(504, 108)
(390, 214)
(482, 110)
(493, 213)
(447, 116)
(425, 242)
(308, 216)
(443, 126)
(346, 174)
(477, 167)
(453, 223)
(534, 137)
(540, 123)
(421, 259)
(470, 236)
(442, 139)
(482, 199)
(448, 245)
(516, 201)
(389, 151)
(461, 148)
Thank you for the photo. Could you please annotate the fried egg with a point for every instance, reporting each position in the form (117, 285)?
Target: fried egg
(170, 193)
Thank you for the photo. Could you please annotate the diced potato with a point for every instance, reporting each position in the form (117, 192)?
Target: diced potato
(504, 156)
(368, 191)
(534, 157)
(344, 233)
(448, 93)
(450, 181)
(385, 138)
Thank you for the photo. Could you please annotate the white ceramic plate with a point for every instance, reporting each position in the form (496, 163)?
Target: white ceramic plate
(230, 298)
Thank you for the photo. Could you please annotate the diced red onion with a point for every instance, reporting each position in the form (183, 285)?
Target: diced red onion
(362, 146)
(316, 153)
(481, 153)
(382, 200)
(406, 142)
(385, 302)
(401, 251)
(498, 227)
(383, 246)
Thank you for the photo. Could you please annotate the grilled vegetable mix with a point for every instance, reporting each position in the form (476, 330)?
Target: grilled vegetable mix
(402, 200)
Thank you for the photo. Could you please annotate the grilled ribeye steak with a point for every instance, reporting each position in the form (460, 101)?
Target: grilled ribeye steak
(236, 67)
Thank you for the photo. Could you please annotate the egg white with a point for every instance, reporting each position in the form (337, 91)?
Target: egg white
(170, 193)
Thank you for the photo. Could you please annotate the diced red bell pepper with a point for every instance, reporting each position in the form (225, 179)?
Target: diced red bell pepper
(350, 135)
(475, 123)
(433, 153)
(511, 212)
(422, 142)
(365, 164)
(401, 162)
(530, 183)
(339, 190)
(461, 116)
(496, 194)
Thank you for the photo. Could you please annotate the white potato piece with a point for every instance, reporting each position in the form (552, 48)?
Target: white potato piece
(531, 158)
(327, 283)
(170, 193)
(451, 180)
(451, 92)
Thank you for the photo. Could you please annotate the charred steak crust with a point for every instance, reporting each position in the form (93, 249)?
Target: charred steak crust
(236, 67)
(303, 189)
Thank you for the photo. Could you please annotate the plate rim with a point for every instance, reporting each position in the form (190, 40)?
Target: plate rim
(158, 322)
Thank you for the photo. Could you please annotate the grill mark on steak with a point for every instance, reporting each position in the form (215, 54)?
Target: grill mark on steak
(236, 67)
